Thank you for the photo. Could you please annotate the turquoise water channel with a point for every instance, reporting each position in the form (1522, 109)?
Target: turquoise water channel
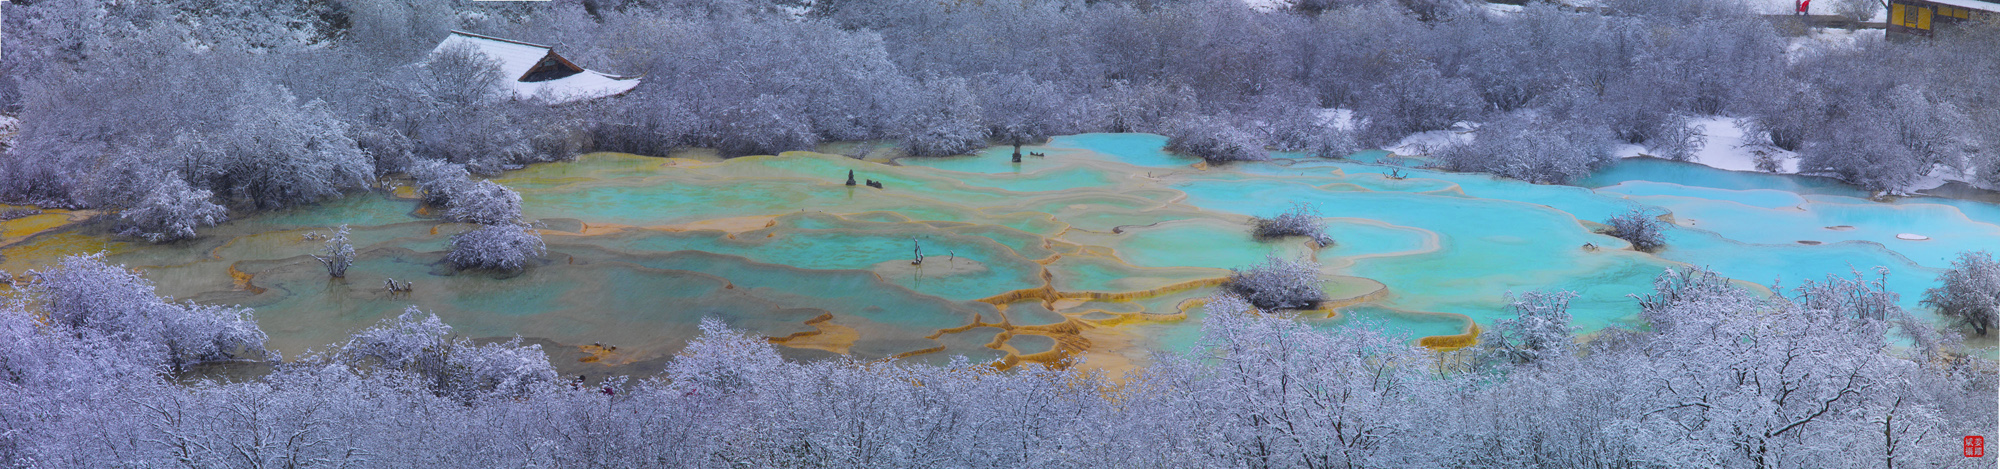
(1096, 250)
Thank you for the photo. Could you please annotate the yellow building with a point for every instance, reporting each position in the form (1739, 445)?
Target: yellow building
(1922, 17)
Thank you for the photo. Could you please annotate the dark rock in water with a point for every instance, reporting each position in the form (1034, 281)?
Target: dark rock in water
(1809, 242)
(850, 177)
(874, 183)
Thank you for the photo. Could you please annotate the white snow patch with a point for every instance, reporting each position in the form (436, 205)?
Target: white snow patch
(1267, 6)
(1339, 119)
(1912, 237)
(1502, 9)
(1830, 39)
(10, 127)
(1725, 148)
(1423, 143)
(1818, 7)
(1943, 174)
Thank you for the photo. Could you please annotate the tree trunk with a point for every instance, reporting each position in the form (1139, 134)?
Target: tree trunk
(1017, 150)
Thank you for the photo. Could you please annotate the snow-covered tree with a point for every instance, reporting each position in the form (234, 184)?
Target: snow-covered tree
(1905, 134)
(1020, 109)
(486, 203)
(503, 247)
(1540, 330)
(943, 119)
(1282, 395)
(419, 343)
(1279, 284)
(1301, 220)
(339, 254)
(1969, 291)
(88, 296)
(1417, 98)
(451, 105)
(1215, 140)
(171, 212)
(440, 182)
(1639, 227)
(1532, 148)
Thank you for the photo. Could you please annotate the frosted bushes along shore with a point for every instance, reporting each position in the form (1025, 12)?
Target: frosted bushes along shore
(1301, 220)
(1278, 284)
(1794, 379)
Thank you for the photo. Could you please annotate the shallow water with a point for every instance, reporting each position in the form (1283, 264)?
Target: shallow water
(1097, 250)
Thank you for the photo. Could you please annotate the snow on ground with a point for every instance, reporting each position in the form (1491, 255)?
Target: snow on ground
(1725, 147)
(9, 127)
(1829, 39)
(1941, 175)
(1341, 119)
(1782, 7)
(1267, 6)
(1423, 143)
(1503, 9)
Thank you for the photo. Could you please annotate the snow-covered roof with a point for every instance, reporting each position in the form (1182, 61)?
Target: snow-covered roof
(590, 84)
(1970, 4)
(519, 59)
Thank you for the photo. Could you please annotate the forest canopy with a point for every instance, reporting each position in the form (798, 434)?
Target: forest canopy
(304, 100)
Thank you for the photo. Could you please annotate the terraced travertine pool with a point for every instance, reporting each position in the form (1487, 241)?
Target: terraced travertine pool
(1099, 250)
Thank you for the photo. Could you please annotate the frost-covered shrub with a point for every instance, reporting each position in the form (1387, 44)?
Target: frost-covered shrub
(944, 119)
(1857, 10)
(1677, 10)
(1332, 143)
(1416, 98)
(453, 106)
(1640, 121)
(1215, 140)
(486, 203)
(171, 212)
(282, 152)
(1305, 133)
(764, 125)
(1907, 132)
(1278, 284)
(1788, 120)
(1969, 291)
(1124, 106)
(1019, 109)
(1675, 138)
(438, 181)
(1638, 227)
(1530, 148)
(1301, 220)
(505, 247)
(339, 254)
(86, 295)
(419, 343)
(408, 341)
(1674, 287)
(1539, 331)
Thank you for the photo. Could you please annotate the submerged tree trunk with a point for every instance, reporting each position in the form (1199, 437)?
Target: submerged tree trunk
(1017, 150)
